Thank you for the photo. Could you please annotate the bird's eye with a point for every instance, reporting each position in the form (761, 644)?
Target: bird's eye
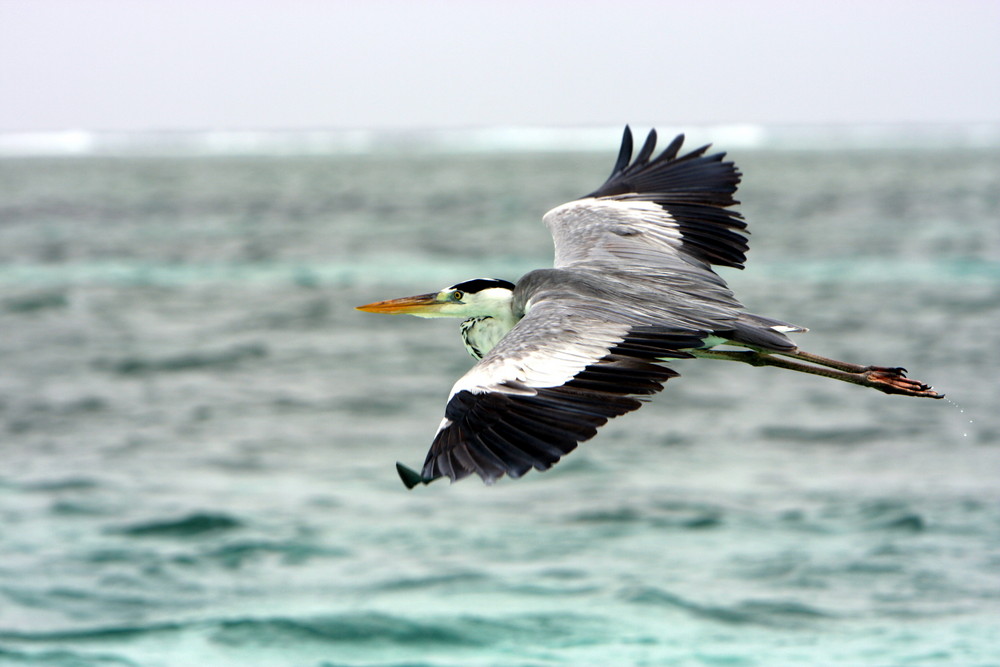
(457, 295)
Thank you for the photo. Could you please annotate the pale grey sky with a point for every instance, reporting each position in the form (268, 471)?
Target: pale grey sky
(269, 64)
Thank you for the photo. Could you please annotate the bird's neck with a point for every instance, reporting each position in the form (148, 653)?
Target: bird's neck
(482, 333)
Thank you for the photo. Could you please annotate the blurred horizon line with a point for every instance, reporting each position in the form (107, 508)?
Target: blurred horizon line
(509, 138)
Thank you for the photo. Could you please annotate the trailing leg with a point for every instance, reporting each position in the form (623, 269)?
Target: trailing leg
(886, 380)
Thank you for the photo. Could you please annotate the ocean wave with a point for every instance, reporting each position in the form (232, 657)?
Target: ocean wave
(71, 483)
(683, 518)
(102, 632)
(34, 302)
(368, 628)
(542, 629)
(457, 579)
(215, 360)
(346, 628)
(62, 658)
(236, 554)
(200, 523)
(842, 435)
(754, 612)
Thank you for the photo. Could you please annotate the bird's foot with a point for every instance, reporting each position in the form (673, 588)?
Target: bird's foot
(894, 381)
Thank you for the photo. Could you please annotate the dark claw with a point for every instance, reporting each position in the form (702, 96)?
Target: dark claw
(895, 370)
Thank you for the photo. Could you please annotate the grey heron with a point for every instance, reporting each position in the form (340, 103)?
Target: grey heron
(633, 287)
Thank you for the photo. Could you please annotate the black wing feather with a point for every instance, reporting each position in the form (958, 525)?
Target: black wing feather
(694, 189)
(624, 153)
(647, 150)
(496, 433)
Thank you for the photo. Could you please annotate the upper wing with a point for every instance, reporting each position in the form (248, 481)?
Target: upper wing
(675, 207)
(548, 385)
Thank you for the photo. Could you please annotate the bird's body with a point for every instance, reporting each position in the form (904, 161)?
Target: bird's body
(633, 285)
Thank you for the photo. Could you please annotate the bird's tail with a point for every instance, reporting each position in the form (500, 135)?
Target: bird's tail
(765, 333)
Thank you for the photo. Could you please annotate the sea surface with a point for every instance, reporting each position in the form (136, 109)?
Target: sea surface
(198, 431)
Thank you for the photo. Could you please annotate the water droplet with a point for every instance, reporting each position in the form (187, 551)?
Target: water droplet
(965, 434)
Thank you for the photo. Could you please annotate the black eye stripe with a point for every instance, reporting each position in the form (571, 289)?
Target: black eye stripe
(479, 284)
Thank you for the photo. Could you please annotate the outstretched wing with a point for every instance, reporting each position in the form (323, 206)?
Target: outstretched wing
(548, 385)
(655, 211)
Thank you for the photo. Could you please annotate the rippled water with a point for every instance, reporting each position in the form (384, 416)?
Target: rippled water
(199, 432)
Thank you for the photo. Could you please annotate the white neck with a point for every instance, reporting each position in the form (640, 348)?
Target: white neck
(481, 334)
(490, 318)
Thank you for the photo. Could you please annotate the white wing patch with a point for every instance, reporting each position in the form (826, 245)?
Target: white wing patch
(582, 229)
(520, 365)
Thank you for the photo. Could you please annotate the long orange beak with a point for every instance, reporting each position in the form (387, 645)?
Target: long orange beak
(411, 305)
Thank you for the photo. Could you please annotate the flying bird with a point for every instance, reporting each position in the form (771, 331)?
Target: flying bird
(633, 287)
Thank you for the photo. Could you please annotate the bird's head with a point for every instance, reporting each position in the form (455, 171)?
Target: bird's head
(489, 297)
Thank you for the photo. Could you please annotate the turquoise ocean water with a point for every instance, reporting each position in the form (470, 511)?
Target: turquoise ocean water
(198, 432)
